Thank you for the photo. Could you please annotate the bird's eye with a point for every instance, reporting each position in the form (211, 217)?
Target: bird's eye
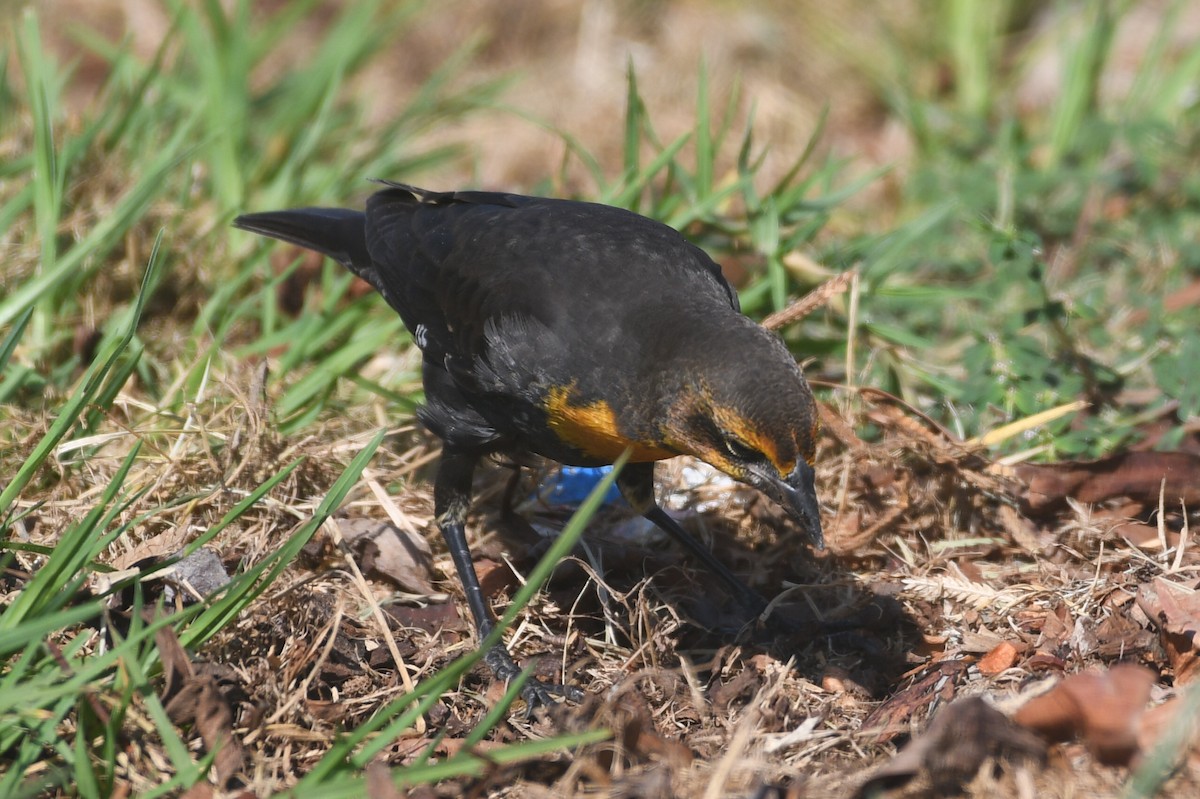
(740, 452)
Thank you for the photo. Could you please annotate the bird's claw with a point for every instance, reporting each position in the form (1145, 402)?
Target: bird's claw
(542, 694)
(764, 617)
(535, 692)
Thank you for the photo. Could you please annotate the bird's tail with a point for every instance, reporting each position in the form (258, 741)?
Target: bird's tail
(336, 232)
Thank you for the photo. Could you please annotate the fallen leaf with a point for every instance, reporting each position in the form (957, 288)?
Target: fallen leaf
(1143, 536)
(1137, 475)
(155, 548)
(1044, 661)
(1175, 610)
(1120, 636)
(386, 552)
(951, 750)
(1056, 628)
(1003, 657)
(379, 784)
(193, 698)
(433, 619)
(938, 683)
(639, 737)
(494, 577)
(1102, 708)
(1054, 715)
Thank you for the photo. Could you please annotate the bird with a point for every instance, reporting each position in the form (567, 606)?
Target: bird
(574, 331)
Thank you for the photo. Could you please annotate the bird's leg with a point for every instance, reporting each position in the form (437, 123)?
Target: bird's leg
(636, 482)
(451, 501)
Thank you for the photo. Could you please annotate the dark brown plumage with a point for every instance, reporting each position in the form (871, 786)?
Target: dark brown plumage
(573, 331)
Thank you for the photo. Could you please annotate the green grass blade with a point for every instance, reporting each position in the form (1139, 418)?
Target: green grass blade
(1084, 67)
(634, 112)
(93, 381)
(47, 178)
(52, 585)
(107, 231)
(9, 345)
(380, 731)
(246, 587)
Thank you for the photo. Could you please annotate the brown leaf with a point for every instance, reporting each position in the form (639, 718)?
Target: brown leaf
(639, 737)
(1057, 628)
(191, 698)
(955, 745)
(1001, 658)
(214, 720)
(1175, 610)
(1142, 536)
(155, 548)
(1112, 707)
(938, 683)
(385, 551)
(379, 782)
(1120, 636)
(433, 619)
(1055, 715)
(494, 577)
(327, 710)
(1124, 525)
(1137, 475)
(1044, 661)
(1102, 708)
(177, 666)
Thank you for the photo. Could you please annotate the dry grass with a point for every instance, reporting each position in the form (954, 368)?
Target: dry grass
(933, 558)
(928, 570)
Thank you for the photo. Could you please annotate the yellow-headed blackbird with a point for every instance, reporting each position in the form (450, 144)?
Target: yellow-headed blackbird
(573, 331)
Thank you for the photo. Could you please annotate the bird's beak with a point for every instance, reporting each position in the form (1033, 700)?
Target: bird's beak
(797, 494)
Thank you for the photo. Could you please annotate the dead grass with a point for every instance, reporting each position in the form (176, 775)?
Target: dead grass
(935, 557)
(929, 570)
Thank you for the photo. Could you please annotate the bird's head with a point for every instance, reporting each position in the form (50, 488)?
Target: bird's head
(748, 411)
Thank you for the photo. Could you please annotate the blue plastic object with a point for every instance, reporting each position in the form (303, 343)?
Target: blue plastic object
(572, 484)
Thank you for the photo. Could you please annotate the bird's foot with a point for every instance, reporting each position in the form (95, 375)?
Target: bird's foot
(777, 620)
(535, 692)
(767, 618)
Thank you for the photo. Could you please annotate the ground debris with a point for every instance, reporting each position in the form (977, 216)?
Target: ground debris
(193, 697)
(957, 743)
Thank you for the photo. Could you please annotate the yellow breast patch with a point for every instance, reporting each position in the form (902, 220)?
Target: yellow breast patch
(592, 429)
